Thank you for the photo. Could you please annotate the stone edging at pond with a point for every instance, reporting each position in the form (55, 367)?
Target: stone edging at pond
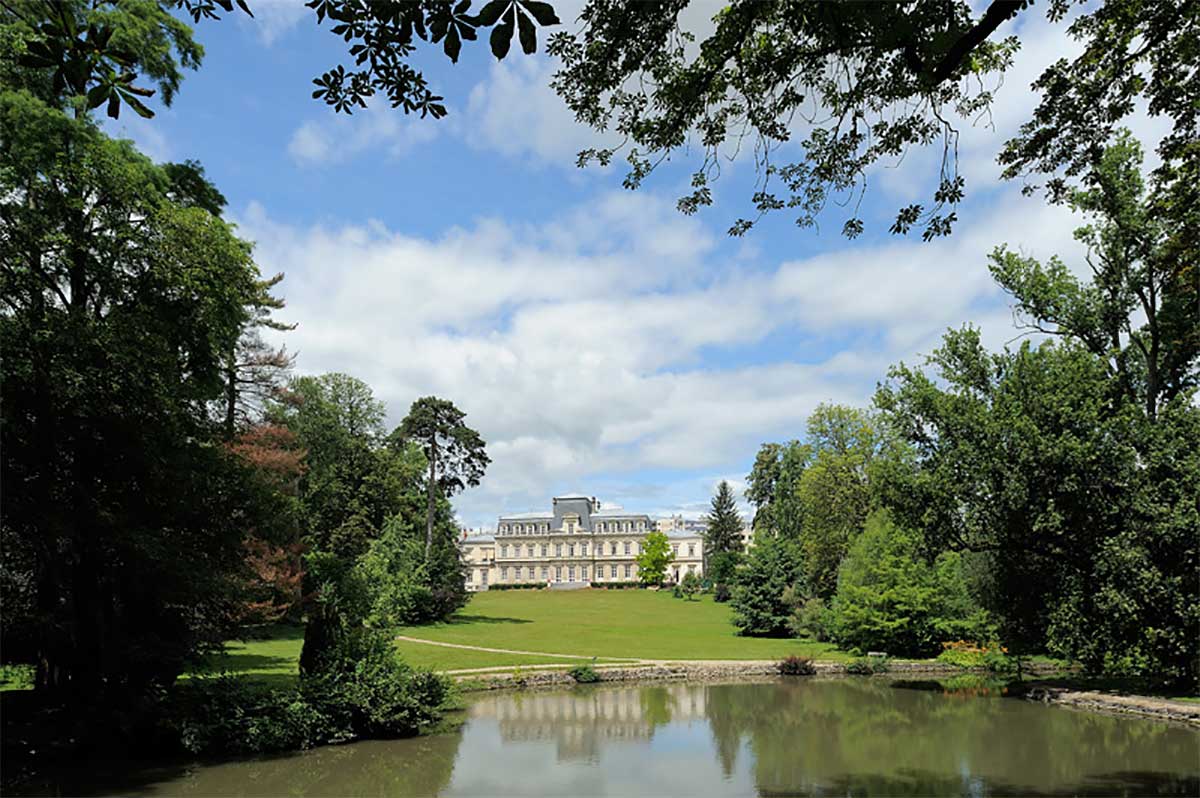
(1144, 706)
(711, 670)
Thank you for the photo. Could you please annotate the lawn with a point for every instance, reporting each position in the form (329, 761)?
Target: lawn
(276, 659)
(610, 623)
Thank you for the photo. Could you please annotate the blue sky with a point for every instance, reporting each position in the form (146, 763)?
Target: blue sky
(599, 340)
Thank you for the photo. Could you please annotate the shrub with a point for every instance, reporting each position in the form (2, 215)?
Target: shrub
(721, 593)
(584, 674)
(867, 666)
(796, 666)
(812, 619)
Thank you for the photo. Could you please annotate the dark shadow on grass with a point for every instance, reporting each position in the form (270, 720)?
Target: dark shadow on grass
(459, 619)
(239, 664)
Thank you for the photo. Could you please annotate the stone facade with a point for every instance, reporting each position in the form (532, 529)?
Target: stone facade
(579, 542)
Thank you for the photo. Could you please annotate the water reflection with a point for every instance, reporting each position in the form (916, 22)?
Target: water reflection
(790, 737)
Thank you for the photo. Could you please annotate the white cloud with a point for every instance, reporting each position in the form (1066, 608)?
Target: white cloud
(582, 347)
(334, 138)
(273, 19)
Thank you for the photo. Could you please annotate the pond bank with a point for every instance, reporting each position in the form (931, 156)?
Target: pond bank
(716, 671)
(1143, 706)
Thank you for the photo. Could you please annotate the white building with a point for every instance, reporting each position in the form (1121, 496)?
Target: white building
(578, 542)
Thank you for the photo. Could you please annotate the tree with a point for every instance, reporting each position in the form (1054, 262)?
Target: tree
(773, 487)
(763, 72)
(119, 297)
(93, 53)
(689, 585)
(772, 566)
(890, 599)
(723, 525)
(834, 490)
(255, 372)
(455, 452)
(653, 559)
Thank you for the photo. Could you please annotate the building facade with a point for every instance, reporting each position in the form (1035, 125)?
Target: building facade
(578, 542)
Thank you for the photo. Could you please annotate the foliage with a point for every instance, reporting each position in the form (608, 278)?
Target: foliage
(722, 593)
(584, 674)
(772, 566)
(721, 572)
(763, 74)
(772, 487)
(653, 559)
(889, 598)
(796, 666)
(455, 453)
(689, 586)
(121, 296)
(834, 490)
(407, 588)
(812, 619)
(723, 524)
(965, 654)
(868, 666)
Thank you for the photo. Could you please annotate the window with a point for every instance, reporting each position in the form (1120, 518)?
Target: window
(675, 549)
(627, 547)
(557, 549)
(613, 551)
(504, 574)
(583, 573)
(545, 572)
(613, 570)
(504, 550)
(641, 526)
(544, 549)
(558, 573)
(691, 549)
(628, 571)
(571, 574)
(583, 548)
(484, 574)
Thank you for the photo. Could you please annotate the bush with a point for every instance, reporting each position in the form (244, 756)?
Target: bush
(721, 593)
(584, 674)
(867, 666)
(812, 619)
(796, 666)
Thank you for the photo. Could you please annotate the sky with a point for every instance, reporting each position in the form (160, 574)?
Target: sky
(599, 340)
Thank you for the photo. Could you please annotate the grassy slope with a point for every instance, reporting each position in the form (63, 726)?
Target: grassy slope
(610, 623)
(277, 658)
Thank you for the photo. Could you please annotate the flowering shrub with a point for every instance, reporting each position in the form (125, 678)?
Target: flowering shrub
(796, 666)
(968, 654)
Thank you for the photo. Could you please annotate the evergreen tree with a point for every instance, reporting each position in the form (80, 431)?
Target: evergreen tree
(772, 568)
(723, 525)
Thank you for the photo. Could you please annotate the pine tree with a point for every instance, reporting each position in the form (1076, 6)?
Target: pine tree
(724, 525)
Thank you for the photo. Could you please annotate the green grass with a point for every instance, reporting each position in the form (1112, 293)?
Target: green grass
(276, 659)
(610, 623)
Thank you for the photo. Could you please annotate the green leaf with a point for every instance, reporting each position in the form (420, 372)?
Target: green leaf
(97, 95)
(490, 14)
(542, 12)
(502, 35)
(453, 44)
(528, 33)
(114, 106)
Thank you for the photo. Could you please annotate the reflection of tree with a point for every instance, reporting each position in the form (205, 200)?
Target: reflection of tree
(810, 734)
(726, 727)
(656, 706)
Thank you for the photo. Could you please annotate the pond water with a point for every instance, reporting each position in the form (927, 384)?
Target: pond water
(851, 736)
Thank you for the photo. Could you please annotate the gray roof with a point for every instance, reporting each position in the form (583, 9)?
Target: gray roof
(572, 496)
(681, 533)
(527, 517)
(617, 513)
(477, 539)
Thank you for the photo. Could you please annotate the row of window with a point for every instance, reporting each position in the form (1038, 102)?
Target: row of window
(531, 574)
(627, 547)
(571, 526)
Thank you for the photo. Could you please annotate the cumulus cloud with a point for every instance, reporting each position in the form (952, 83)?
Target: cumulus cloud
(334, 138)
(583, 347)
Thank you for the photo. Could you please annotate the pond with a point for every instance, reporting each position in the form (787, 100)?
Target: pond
(849, 736)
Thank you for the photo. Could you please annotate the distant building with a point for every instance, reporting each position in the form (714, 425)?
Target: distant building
(578, 542)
